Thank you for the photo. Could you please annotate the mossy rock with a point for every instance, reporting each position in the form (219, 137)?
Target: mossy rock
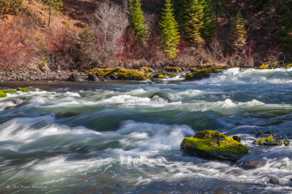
(101, 72)
(24, 89)
(214, 145)
(2, 94)
(120, 74)
(202, 73)
(173, 69)
(264, 66)
(163, 75)
(160, 76)
(272, 140)
(128, 74)
(289, 65)
(10, 91)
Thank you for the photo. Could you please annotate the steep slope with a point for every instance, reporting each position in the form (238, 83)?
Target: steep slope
(88, 33)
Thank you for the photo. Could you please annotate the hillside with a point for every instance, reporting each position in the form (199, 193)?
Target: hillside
(81, 34)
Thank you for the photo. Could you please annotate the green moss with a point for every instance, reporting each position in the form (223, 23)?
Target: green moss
(101, 72)
(212, 144)
(10, 91)
(264, 66)
(173, 69)
(129, 74)
(120, 73)
(23, 89)
(196, 74)
(161, 76)
(289, 65)
(2, 94)
(269, 141)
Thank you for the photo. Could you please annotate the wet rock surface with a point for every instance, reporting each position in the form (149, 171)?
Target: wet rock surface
(214, 145)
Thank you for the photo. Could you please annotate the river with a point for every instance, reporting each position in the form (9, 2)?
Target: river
(125, 138)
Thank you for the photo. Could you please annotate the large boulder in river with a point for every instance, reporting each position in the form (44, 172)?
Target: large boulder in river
(214, 145)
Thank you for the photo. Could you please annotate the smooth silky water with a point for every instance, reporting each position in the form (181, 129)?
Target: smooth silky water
(125, 138)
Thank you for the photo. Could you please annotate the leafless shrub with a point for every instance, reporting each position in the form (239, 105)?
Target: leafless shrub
(105, 33)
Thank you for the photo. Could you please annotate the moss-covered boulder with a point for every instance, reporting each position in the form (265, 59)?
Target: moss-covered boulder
(120, 74)
(288, 66)
(4, 92)
(23, 89)
(172, 69)
(196, 74)
(214, 145)
(272, 140)
(264, 66)
(101, 72)
(161, 76)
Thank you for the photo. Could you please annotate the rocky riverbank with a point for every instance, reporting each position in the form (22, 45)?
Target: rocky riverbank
(115, 73)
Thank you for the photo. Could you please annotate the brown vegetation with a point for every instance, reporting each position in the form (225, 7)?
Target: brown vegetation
(90, 33)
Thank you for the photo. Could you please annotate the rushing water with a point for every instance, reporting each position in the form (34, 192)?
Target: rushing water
(125, 138)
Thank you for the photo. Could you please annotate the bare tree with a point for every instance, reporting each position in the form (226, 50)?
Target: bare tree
(110, 24)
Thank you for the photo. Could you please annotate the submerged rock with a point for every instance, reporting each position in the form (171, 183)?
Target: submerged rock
(214, 145)
(252, 164)
(274, 180)
(66, 114)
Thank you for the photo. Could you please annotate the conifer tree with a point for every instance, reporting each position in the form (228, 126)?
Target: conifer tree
(239, 32)
(195, 21)
(138, 20)
(169, 30)
(209, 27)
(180, 7)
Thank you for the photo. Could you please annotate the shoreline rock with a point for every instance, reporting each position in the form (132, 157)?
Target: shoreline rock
(108, 73)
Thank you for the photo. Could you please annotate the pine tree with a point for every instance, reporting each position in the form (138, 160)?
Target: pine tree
(195, 21)
(209, 27)
(169, 30)
(180, 7)
(239, 32)
(138, 20)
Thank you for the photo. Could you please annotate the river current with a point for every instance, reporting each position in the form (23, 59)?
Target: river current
(125, 138)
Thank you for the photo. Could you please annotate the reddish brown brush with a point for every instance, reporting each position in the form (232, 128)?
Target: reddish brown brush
(15, 46)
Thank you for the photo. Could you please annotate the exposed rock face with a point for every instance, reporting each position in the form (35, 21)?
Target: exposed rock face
(214, 145)
(75, 78)
(92, 78)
